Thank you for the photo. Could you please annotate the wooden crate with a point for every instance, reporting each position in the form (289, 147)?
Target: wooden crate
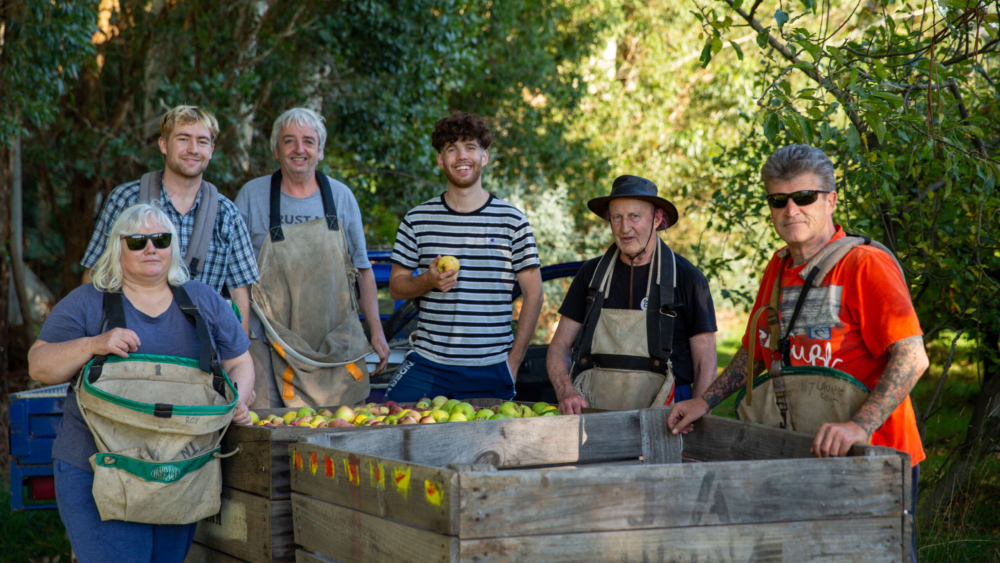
(255, 523)
(596, 487)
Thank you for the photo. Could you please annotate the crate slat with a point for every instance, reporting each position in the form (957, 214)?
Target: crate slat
(200, 553)
(250, 527)
(355, 537)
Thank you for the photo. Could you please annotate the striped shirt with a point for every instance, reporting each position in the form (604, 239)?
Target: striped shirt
(230, 260)
(470, 325)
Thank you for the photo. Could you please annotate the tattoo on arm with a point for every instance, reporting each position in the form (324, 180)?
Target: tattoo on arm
(907, 361)
(732, 379)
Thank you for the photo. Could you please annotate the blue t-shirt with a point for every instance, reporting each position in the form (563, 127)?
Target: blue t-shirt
(81, 314)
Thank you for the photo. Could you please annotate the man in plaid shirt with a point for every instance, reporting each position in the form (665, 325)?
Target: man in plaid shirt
(187, 139)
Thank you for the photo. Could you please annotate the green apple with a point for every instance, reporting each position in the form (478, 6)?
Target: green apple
(464, 408)
(436, 402)
(345, 413)
(539, 407)
(423, 404)
(457, 417)
(510, 409)
(484, 414)
(550, 413)
(526, 412)
(499, 416)
(391, 419)
(306, 411)
(439, 415)
(449, 405)
(254, 419)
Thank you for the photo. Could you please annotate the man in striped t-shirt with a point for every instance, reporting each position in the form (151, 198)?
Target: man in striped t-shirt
(464, 346)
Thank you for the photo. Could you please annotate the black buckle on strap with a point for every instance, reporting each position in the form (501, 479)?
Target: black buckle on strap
(161, 410)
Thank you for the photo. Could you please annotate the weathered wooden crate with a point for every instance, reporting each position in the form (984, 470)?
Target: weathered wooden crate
(255, 522)
(596, 487)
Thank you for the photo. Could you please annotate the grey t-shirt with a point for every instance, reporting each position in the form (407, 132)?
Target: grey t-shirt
(254, 203)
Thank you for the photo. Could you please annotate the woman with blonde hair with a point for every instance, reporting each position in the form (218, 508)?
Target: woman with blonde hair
(143, 265)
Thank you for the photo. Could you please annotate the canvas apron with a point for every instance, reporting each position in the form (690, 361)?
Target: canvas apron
(157, 422)
(621, 359)
(307, 303)
(800, 398)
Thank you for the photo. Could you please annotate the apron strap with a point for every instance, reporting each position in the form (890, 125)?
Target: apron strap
(329, 207)
(204, 222)
(114, 317)
(661, 310)
(595, 301)
(785, 345)
(209, 357)
(627, 363)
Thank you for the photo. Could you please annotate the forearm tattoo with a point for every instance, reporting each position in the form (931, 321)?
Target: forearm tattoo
(896, 382)
(732, 379)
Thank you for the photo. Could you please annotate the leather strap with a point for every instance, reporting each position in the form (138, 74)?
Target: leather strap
(208, 360)
(329, 207)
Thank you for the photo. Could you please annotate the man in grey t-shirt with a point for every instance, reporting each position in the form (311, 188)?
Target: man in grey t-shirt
(297, 141)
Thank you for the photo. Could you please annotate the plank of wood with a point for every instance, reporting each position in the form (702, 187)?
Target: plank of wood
(303, 556)
(250, 469)
(908, 508)
(355, 537)
(415, 494)
(550, 501)
(502, 443)
(722, 439)
(872, 540)
(659, 445)
(250, 527)
(203, 554)
(470, 467)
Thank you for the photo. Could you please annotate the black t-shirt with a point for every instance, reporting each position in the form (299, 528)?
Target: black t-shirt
(695, 310)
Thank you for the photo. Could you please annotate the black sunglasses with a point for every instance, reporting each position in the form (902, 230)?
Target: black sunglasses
(802, 198)
(138, 242)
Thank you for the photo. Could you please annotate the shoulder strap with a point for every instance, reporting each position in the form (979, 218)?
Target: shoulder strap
(773, 323)
(595, 302)
(274, 223)
(329, 208)
(208, 356)
(114, 317)
(149, 186)
(661, 310)
(204, 228)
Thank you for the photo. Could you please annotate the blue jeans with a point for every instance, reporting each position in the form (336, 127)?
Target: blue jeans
(682, 393)
(417, 377)
(94, 541)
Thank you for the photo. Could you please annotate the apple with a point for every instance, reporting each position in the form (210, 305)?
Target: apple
(439, 415)
(526, 412)
(510, 409)
(345, 413)
(448, 263)
(325, 412)
(464, 408)
(395, 410)
(550, 413)
(539, 407)
(427, 420)
(391, 404)
(423, 404)
(307, 411)
(391, 419)
(290, 416)
(360, 419)
(254, 419)
(323, 424)
(371, 405)
(371, 422)
(438, 401)
(407, 420)
(499, 416)
(340, 423)
(383, 411)
(404, 412)
(449, 405)
(484, 414)
(457, 417)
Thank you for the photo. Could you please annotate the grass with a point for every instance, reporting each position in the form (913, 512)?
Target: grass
(30, 536)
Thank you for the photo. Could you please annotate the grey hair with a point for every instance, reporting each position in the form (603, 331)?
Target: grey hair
(303, 117)
(790, 162)
(107, 275)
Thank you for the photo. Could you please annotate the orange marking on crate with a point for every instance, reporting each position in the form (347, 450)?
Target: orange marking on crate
(297, 460)
(434, 493)
(401, 477)
(353, 469)
(328, 463)
(313, 462)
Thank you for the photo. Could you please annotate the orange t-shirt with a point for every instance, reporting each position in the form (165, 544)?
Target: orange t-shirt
(847, 323)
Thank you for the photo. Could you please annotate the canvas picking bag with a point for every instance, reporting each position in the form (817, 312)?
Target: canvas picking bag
(157, 422)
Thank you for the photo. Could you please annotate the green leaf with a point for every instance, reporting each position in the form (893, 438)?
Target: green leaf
(781, 18)
(806, 126)
(716, 45)
(794, 128)
(891, 98)
(853, 79)
(835, 52)
(737, 4)
(739, 52)
(874, 121)
(810, 5)
(762, 38)
(879, 69)
(804, 65)
(706, 55)
(853, 139)
(771, 127)
(975, 130)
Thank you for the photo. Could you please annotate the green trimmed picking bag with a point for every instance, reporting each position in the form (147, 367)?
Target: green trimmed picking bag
(158, 422)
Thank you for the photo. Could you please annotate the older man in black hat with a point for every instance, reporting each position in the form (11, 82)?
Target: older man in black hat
(638, 324)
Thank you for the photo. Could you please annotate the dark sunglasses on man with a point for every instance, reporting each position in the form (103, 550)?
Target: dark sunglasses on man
(138, 242)
(801, 198)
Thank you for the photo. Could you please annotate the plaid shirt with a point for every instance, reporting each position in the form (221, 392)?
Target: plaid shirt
(230, 260)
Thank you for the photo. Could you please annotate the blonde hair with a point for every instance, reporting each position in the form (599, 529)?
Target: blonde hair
(303, 117)
(186, 115)
(107, 275)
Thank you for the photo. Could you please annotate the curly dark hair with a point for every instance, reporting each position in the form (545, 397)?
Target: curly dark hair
(461, 125)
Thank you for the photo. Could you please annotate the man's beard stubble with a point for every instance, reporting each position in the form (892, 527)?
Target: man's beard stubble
(465, 182)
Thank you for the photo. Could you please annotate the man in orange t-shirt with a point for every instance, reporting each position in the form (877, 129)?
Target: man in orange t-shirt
(860, 320)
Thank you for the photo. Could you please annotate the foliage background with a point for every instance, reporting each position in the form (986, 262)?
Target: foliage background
(694, 95)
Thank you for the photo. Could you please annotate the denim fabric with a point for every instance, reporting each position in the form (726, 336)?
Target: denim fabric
(417, 377)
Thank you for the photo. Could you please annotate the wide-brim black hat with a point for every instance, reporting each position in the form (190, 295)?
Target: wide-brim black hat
(634, 187)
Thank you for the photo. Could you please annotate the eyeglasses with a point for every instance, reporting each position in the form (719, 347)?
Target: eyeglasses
(801, 199)
(138, 242)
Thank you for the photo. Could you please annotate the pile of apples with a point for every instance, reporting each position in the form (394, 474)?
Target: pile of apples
(425, 411)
